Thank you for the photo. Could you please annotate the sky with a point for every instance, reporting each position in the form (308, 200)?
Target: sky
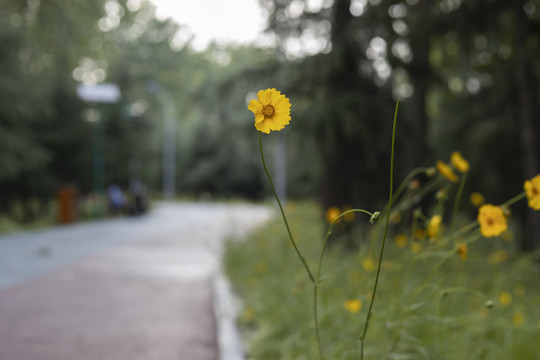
(238, 21)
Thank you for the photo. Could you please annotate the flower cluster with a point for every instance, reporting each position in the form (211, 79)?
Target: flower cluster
(430, 229)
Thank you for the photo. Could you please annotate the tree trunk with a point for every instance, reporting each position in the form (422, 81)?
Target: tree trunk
(528, 120)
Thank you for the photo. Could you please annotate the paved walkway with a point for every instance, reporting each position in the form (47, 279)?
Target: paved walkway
(125, 289)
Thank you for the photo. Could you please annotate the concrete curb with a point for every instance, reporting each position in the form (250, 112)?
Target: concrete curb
(226, 307)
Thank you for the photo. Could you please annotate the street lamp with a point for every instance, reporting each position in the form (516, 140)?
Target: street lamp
(169, 137)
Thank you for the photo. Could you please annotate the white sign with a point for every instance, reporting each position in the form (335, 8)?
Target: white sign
(99, 93)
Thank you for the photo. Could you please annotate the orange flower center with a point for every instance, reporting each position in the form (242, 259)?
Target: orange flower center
(490, 221)
(535, 191)
(268, 111)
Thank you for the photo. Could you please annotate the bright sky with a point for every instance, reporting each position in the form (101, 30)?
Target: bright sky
(238, 21)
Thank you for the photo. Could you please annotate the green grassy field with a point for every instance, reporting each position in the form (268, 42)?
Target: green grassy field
(486, 306)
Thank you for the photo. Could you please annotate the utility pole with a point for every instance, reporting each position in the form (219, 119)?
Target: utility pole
(169, 138)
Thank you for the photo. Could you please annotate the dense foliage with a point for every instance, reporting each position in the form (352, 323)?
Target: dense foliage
(466, 73)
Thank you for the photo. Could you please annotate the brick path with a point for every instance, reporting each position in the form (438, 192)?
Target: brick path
(147, 299)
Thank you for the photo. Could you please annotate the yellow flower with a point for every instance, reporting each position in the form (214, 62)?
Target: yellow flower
(401, 240)
(477, 199)
(368, 265)
(416, 247)
(517, 319)
(532, 188)
(352, 306)
(434, 226)
(459, 162)
(332, 213)
(272, 110)
(505, 298)
(462, 251)
(446, 171)
(492, 220)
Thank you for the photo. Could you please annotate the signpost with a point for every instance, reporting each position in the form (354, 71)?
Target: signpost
(105, 93)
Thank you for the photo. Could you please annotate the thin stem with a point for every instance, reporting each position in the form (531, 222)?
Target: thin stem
(458, 199)
(329, 231)
(449, 254)
(316, 317)
(514, 199)
(283, 214)
(315, 283)
(368, 316)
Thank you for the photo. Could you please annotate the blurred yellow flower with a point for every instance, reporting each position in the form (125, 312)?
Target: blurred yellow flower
(519, 290)
(459, 162)
(492, 220)
(532, 188)
(401, 240)
(419, 234)
(462, 251)
(497, 257)
(272, 110)
(332, 213)
(507, 236)
(416, 247)
(434, 226)
(368, 265)
(517, 319)
(262, 268)
(477, 199)
(395, 218)
(352, 306)
(446, 171)
(349, 217)
(505, 298)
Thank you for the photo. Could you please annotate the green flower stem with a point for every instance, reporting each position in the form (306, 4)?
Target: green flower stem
(458, 199)
(407, 179)
(514, 200)
(319, 269)
(330, 227)
(315, 283)
(368, 316)
(283, 214)
(449, 254)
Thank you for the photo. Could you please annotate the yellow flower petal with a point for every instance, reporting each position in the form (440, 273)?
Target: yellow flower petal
(332, 213)
(505, 298)
(263, 126)
(352, 306)
(532, 188)
(446, 171)
(255, 106)
(476, 199)
(434, 226)
(459, 162)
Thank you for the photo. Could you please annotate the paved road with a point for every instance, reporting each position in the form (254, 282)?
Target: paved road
(123, 289)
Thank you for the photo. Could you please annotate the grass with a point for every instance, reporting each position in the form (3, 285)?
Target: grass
(456, 313)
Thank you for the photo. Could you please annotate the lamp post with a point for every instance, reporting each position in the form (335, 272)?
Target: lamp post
(169, 137)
